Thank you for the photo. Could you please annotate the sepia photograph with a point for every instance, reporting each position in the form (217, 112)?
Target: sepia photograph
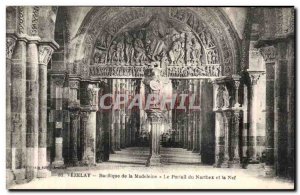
(150, 97)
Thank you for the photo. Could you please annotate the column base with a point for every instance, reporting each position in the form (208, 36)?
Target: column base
(112, 151)
(269, 171)
(19, 176)
(153, 161)
(234, 164)
(43, 173)
(58, 163)
(253, 161)
(224, 165)
(88, 161)
(9, 178)
(74, 163)
(195, 151)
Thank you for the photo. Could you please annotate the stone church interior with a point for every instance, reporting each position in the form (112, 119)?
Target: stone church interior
(62, 61)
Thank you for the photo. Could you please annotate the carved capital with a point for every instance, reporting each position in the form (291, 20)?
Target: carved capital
(237, 84)
(10, 45)
(74, 84)
(84, 115)
(74, 114)
(227, 116)
(236, 79)
(269, 53)
(45, 54)
(237, 116)
(254, 76)
(155, 116)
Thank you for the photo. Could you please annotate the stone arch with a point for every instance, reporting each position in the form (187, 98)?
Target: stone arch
(100, 20)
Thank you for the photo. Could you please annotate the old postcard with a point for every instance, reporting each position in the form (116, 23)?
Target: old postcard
(150, 97)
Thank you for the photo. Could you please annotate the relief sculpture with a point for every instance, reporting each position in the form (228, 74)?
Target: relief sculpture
(161, 43)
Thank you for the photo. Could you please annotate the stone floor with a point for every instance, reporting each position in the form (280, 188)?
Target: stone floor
(180, 169)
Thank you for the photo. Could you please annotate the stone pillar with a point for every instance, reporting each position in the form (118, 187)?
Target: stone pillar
(10, 45)
(245, 126)
(122, 129)
(190, 119)
(57, 82)
(195, 148)
(117, 130)
(219, 129)
(269, 54)
(89, 153)
(207, 124)
(84, 115)
(291, 111)
(18, 110)
(223, 126)
(45, 53)
(235, 140)
(74, 117)
(185, 130)
(195, 133)
(227, 116)
(253, 134)
(202, 113)
(155, 120)
(74, 109)
(236, 79)
(182, 130)
(32, 109)
(153, 88)
(220, 140)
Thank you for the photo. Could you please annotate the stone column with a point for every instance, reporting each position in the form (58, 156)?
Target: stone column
(57, 82)
(190, 119)
(219, 130)
(45, 53)
(253, 134)
(128, 130)
(10, 45)
(245, 126)
(269, 53)
(234, 140)
(74, 109)
(182, 130)
(202, 113)
(236, 79)
(227, 116)
(32, 108)
(153, 88)
(18, 110)
(185, 130)
(222, 124)
(117, 130)
(74, 117)
(123, 131)
(155, 119)
(220, 140)
(195, 148)
(89, 153)
(195, 134)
